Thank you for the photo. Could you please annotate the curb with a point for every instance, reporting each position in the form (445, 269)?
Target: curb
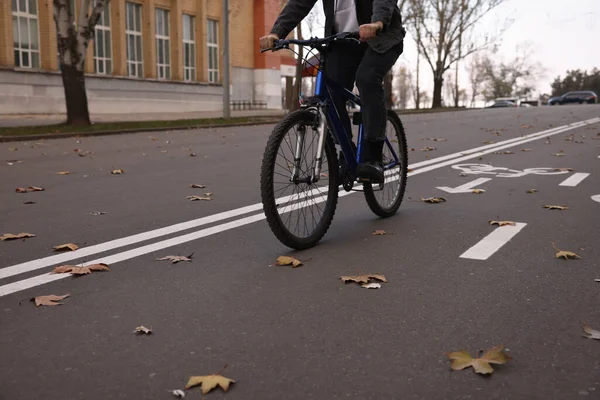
(24, 138)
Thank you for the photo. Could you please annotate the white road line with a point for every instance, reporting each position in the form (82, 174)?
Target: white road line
(493, 242)
(596, 198)
(53, 260)
(467, 187)
(574, 179)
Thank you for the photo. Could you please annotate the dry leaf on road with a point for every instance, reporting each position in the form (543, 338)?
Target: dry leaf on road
(209, 382)
(371, 285)
(549, 207)
(117, 171)
(503, 152)
(176, 259)
(285, 260)
(29, 189)
(75, 270)
(487, 142)
(563, 169)
(365, 278)
(63, 173)
(97, 213)
(531, 191)
(462, 359)
(566, 255)
(49, 300)
(590, 333)
(143, 329)
(427, 148)
(526, 149)
(22, 235)
(503, 223)
(378, 232)
(433, 200)
(197, 186)
(558, 154)
(196, 198)
(478, 191)
(525, 126)
(66, 246)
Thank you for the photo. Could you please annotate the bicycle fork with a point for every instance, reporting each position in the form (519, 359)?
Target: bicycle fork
(321, 132)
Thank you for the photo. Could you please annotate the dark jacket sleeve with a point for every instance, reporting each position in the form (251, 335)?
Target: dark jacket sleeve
(382, 11)
(291, 15)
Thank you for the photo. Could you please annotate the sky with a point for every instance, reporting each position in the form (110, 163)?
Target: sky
(559, 34)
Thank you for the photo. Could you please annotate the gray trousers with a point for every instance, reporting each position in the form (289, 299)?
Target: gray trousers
(348, 62)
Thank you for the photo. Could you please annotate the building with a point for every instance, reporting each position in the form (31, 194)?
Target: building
(147, 56)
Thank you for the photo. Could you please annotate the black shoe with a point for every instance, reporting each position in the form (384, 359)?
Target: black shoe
(371, 171)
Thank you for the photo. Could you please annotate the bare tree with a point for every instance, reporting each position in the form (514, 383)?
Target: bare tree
(515, 78)
(477, 76)
(73, 40)
(402, 86)
(440, 27)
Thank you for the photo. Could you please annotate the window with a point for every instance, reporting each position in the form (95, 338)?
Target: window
(133, 33)
(25, 33)
(213, 51)
(189, 48)
(163, 55)
(102, 43)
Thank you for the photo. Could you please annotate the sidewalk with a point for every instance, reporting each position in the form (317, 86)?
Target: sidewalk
(48, 119)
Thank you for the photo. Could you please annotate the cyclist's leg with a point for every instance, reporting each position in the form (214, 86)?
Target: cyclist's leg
(369, 80)
(342, 62)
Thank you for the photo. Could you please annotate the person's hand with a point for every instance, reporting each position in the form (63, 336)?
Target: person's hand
(268, 41)
(369, 31)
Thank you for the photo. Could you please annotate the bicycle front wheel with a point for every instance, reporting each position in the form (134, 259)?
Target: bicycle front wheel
(299, 211)
(385, 201)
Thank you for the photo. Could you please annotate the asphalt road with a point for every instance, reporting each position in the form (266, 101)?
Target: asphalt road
(454, 281)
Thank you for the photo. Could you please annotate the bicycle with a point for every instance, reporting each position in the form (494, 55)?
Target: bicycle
(318, 181)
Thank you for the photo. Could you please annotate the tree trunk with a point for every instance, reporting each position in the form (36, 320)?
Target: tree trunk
(438, 83)
(387, 88)
(75, 95)
(418, 98)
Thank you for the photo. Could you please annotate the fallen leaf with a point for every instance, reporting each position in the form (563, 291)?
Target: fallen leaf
(433, 200)
(526, 149)
(440, 140)
(208, 194)
(563, 169)
(371, 285)
(462, 359)
(285, 260)
(478, 191)
(176, 259)
(192, 154)
(143, 329)
(531, 191)
(49, 300)
(547, 142)
(151, 137)
(428, 148)
(503, 152)
(209, 382)
(556, 207)
(196, 198)
(378, 232)
(22, 235)
(197, 186)
(525, 126)
(596, 280)
(12, 149)
(496, 133)
(21, 190)
(97, 212)
(363, 278)
(67, 246)
(558, 154)
(29, 189)
(487, 142)
(178, 393)
(75, 270)
(29, 202)
(566, 255)
(117, 171)
(503, 223)
(63, 173)
(590, 333)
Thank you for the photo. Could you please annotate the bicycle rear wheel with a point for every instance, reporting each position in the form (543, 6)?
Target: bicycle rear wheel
(298, 210)
(385, 202)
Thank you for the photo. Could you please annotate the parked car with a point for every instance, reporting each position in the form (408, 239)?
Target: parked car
(579, 97)
(503, 103)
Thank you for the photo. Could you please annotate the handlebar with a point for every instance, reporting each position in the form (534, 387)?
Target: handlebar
(313, 42)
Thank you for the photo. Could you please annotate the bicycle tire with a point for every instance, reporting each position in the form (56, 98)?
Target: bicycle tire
(376, 208)
(267, 187)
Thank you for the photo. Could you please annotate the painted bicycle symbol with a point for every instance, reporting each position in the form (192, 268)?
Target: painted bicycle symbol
(501, 172)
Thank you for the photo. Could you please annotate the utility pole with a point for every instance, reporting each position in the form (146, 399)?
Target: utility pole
(226, 101)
